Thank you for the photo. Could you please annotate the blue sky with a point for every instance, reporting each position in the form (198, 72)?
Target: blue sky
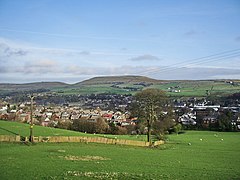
(69, 41)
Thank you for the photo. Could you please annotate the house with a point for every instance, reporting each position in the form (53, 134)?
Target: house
(24, 117)
(188, 119)
(4, 116)
(49, 114)
(202, 106)
(46, 122)
(75, 116)
(65, 115)
(125, 123)
(107, 116)
(22, 105)
(210, 120)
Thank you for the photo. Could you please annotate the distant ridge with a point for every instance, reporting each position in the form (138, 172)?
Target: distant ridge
(117, 79)
(108, 83)
(92, 81)
(35, 85)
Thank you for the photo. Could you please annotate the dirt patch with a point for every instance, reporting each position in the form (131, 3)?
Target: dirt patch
(61, 150)
(106, 175)
(85, 158)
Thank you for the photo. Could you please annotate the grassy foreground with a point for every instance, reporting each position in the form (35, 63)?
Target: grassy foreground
(22, 129)
(193, 155)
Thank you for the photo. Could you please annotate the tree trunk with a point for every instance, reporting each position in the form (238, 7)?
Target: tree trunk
(149, 132)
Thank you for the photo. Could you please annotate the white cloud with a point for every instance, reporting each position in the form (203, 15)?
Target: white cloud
(7, 51)
(194, 73)
(20, 61)
(42, 63)
(84, 53)
(75, 73)
(145, 57)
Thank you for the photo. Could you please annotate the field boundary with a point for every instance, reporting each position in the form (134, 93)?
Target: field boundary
(80, 139)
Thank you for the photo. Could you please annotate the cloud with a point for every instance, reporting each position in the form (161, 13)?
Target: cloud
(194, 73)
(14, 49)
(39, 67)
(8, 51)
(47, 70)
(96, 71)
(3, 69)
(58, 51)
(84, 53)
(28, 69)
(43, 63)
(146, 57)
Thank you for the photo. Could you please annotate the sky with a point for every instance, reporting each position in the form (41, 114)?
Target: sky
(70, 41)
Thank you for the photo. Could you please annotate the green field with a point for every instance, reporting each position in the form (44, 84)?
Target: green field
(187, 88)
(22, 129)
(198, 88)
(192, 155)
(129, 85)
(90, 89)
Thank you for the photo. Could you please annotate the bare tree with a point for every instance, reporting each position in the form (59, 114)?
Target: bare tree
(150, 105)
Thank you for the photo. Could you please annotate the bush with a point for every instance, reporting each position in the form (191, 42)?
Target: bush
(177, 128)
(161, 137)
(84, 125)
(122, 130)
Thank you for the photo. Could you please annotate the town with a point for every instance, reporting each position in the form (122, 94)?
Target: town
(114, 110)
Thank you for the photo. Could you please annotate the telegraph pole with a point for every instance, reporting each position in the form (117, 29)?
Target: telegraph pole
(31, 122)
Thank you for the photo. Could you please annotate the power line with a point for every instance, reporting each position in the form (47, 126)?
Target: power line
(189, 65)
(197, 60)
(206, 59)
(194, 63)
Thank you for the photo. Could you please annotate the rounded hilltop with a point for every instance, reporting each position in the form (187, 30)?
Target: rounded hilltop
(118, 80)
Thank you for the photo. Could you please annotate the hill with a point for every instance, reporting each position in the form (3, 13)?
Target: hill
(96, 85)
(127, 85)
(31, 86)
(118, 80)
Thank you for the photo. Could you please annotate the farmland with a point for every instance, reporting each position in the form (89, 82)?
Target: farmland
(127, 85)
(22, 129)
(191, 155)
(187, 88)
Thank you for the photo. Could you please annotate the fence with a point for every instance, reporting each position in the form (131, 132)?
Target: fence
(6, 138)
(59, 139)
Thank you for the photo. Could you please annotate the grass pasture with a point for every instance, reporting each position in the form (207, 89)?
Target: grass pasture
(126, 85)
(187, 88)
(91, 89)
(22, 129)
(192, 155)
(198, 88)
